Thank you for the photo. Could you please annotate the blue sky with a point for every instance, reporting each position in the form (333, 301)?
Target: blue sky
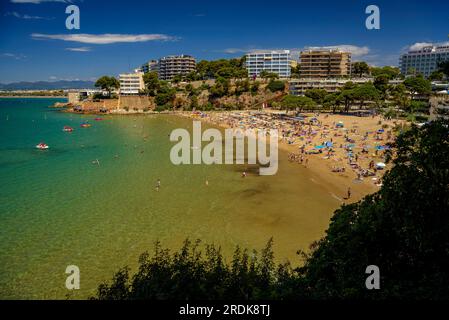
(35, 44)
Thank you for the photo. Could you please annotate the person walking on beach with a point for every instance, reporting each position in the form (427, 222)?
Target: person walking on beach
(349, 193)
(158, 184)
(244, 174)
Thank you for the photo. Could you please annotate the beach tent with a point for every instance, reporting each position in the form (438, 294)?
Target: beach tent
(320, 147)
(340, 124)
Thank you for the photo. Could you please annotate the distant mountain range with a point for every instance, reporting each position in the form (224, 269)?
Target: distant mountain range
(48, 85)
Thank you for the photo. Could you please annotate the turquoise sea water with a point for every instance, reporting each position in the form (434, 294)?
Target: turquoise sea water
(57, 208)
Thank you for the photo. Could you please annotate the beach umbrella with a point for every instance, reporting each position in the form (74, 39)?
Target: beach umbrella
(329, 144)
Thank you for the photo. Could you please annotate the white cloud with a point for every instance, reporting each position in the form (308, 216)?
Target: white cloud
(80, 49)
(103, 38)
(13, 56)
(420, 45)
(25, 16)
(234, 50)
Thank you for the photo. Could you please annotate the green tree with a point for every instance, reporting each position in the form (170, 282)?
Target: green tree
(381, 83)
(347, 95)
(165, 94)
(108, 84)
(276, 85)
(152, 83)
(296, 71)
(255, 87)
(220, 88)
(418, 85)
(332, 101)
(366, 92)
(177, 79)
(360, 68)
(400, 95)
(291, 102)
(444, 67)
(436, 76)
(390, 72)
(316, 95)
(266, 75)
(242, 86)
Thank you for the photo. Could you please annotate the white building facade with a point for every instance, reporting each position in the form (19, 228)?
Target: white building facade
(278, 62)
(425, 60)
(131, 83)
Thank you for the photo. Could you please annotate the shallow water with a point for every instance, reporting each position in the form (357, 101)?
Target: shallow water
(57, 208)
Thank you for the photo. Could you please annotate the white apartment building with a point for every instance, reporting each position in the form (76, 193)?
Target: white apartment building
(277, 61)
(425, 60)
(131, 83)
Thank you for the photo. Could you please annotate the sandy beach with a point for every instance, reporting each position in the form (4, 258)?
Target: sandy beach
(345, 153)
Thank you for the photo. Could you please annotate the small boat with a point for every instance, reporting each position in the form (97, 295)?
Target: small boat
(42, 146)
(86, 125)
(98, 119)
(67, 129)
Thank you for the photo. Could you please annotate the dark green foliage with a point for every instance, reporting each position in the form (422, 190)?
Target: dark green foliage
(152, 83)
(276, 85)
(437, 76)
(233, 68)
(242, 86)
(444, 68)
(390, 72)
(291, 102)
(192, 273)
(418, 85)
(360, 68)
(316, 95)
(403, 229)
(107, 83)
(220, 89)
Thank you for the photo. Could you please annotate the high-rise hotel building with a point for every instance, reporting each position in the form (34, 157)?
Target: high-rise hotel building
(425, 60)
(169, 67)
(325, 63)
(271, 61)
(150, 66)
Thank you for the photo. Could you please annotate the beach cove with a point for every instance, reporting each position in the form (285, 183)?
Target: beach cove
(59, 207)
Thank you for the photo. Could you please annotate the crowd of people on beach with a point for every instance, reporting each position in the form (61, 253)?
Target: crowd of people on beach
(348, 147)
